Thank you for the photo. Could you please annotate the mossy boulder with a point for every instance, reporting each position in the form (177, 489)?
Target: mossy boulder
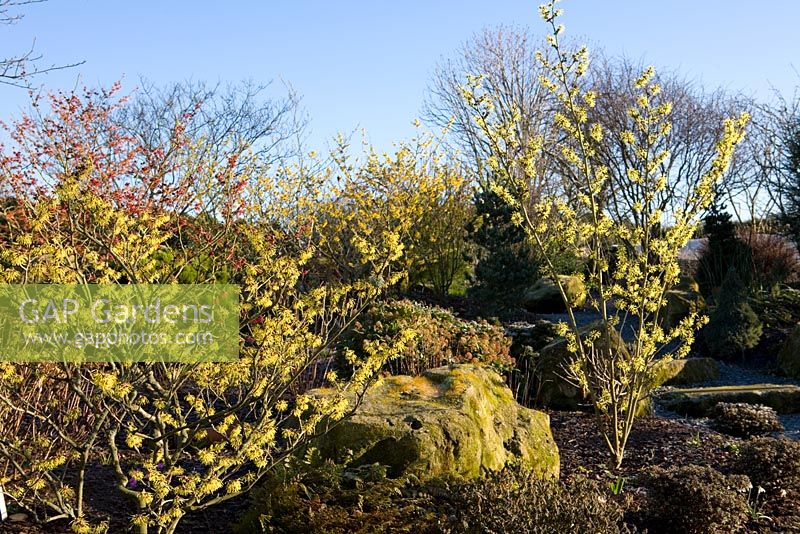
(544, 296)
(789, 355)
(687, 282)
(681, 372)
(458, 420)
(681, 303)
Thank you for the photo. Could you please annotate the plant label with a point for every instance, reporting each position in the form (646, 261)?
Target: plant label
(3, 511)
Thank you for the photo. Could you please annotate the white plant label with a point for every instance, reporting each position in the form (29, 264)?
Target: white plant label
(3, 511)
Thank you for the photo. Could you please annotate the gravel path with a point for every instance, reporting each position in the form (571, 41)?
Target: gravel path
(737, 375)
(583, 318)
(587, 317)
(792, 425)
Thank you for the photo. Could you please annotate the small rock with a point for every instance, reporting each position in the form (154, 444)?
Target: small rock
(680, 304)
(18, 518)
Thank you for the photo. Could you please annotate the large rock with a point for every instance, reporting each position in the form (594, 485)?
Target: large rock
(555, 390)
(457, 420)
(680, 303)
(789, 355)
(544, 296)
(686, 282)
(682, 372)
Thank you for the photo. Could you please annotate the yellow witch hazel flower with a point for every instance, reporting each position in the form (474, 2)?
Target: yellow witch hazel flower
(631, 282)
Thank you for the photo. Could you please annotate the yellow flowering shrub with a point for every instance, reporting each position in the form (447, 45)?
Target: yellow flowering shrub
(84, 203)
(414, 192)
(631, 262)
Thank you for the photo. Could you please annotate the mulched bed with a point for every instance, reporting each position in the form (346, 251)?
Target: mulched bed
(655, 441)
(662, 442)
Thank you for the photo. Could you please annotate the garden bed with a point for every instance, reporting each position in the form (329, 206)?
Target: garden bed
(656, 442)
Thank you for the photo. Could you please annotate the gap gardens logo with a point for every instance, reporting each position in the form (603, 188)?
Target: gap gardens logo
(124, 323)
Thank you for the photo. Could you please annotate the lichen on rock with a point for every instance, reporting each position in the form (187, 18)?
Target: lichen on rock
(458, 420)
(545, 297)
(685, 371)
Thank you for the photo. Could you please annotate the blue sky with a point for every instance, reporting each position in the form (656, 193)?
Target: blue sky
(366, 64)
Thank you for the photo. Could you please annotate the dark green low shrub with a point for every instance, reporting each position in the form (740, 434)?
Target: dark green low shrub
(330, 499)
(724, 252)
(773, 466)
(745, 420)
(695, 499)
(733, 326)
(771, 463)
(514, 500)
(506, 264)
(439, 338)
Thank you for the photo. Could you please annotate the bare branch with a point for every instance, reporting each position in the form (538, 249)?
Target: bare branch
(17, 70)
